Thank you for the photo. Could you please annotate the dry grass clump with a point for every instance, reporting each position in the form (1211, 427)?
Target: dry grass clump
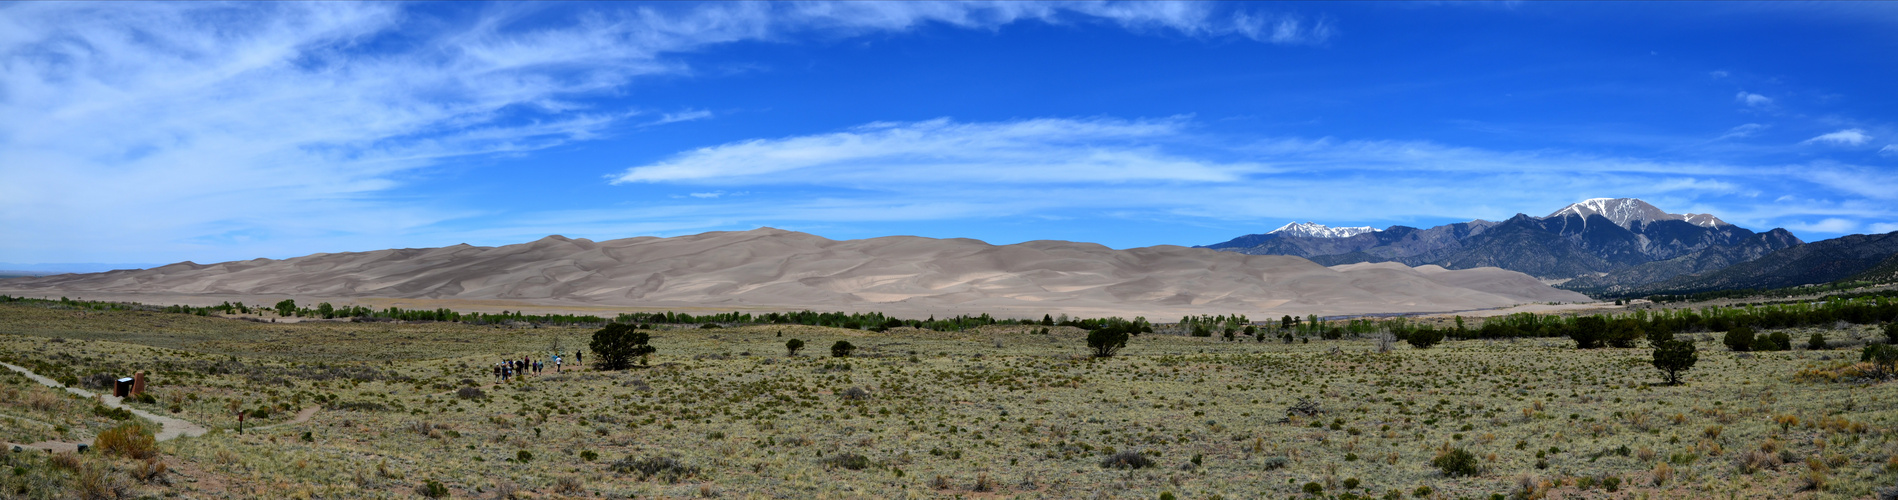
(1755, 461)
(130, 440)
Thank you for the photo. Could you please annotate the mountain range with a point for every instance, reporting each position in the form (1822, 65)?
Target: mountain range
(770, 268)
(1859, 257)
(1594, 245)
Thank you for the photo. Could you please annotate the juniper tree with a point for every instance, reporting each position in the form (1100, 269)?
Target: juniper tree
(1107, 340)
(615, 346)
(1739, 339)
(1673, 357)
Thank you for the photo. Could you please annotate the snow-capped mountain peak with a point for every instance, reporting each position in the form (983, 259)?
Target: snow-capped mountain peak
(1625, 212)
(1316, 230)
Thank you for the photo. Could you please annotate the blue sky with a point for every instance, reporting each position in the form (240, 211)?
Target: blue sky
(162, 132)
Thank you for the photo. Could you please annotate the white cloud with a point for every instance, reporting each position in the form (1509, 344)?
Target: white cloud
(1889, 150)
(1719, 74)
(1742, 131)
(173, 127)
(1847, 137)
(1752, 99)
(1043, 150)
(683, 116)
(1884, 227)
(1829, 225)
(713, 194)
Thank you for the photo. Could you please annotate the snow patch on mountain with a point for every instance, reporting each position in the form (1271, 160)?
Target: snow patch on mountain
(1625, 212)
(1316, 230)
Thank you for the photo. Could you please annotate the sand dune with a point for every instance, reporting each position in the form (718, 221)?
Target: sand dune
(770, 268)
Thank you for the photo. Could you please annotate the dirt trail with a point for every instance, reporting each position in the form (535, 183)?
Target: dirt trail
(302, 416)
(169, 428)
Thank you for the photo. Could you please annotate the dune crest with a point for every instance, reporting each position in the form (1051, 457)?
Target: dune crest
(901, 274)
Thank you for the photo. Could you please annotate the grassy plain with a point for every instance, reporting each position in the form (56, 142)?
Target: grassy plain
(1003, 412)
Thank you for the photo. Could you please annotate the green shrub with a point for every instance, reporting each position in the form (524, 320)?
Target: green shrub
(842, 349)
(1588, 332)
(663, 468)
(849, 461)
(1891, 332)
(1455, 462)
(589, 455)
(112, 413)
(1781, 341)
(1423, 338)
(1882, 356)
(432, 489)
(1764, 343)
(1126, 460)
(523, 456)
(1658, 334)
(1314, 489)
(1816, 342)
(1623, 333)
(792, 346)
(1739, 339)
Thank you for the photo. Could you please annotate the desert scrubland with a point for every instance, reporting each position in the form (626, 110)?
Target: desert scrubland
(396, 410)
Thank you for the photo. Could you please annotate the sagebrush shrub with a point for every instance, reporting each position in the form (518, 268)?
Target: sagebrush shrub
(432, 489)
(664, 468)
(849, 461)
(1127, 460)
(1455, 462)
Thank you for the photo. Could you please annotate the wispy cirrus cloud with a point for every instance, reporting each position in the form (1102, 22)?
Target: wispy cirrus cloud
(1742, 131)
(1045, 150)
(1847, 137)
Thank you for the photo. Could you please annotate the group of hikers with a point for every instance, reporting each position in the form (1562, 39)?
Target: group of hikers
(507, 369)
